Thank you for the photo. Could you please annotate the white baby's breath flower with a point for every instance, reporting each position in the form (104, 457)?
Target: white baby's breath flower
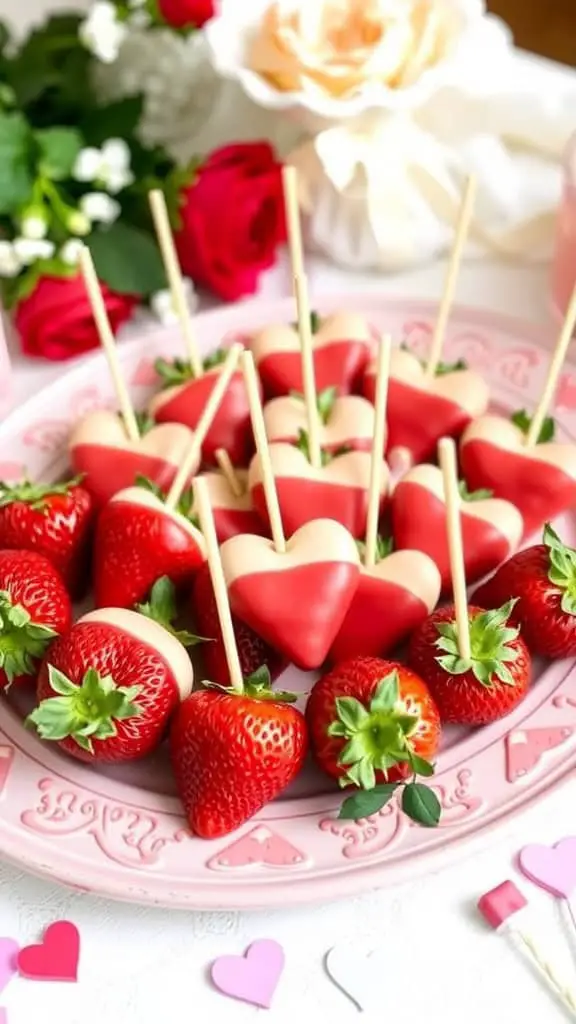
(109, 166)
(10, 263)
(87, 165)
(78, 223)
(33, 226)
(28, 250)
(99, 207)
(70, 251)
(163, 306)
(102, 32)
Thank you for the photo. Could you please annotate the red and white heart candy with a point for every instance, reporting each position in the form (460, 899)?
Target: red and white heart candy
(338, 490)
(539, 480)
(422, 409)
(137, 541)
(349, 424)
(491, 528)
(295, 600)
(392, 598)
(230, 428)
(233, 513)
(342, 344)
(100, 450)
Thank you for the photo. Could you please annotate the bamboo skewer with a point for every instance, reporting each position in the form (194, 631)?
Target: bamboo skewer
(376, 467)
(229, 473)
(259, 431)
(554, 369)
(448, 465)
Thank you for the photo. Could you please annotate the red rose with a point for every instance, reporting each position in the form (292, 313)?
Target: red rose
(233, 219)
(56, 320)
(186, 13)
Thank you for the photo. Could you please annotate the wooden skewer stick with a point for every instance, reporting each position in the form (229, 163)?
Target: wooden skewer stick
(175, 280)
(206, 517)
(203, 426)
(462, 229)
(448, 465)
(290, 185)
(556, 364)
(382, 376)
(108, 343)
(228, 471)
(259, 431)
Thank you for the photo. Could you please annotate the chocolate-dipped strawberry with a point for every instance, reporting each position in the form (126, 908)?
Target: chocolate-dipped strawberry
(491, 528)
(230, 500)
(346, 422)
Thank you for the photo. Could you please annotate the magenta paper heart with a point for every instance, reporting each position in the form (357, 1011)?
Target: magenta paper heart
(55, 958)
(551, 867)
(252, 977)
(9, 950)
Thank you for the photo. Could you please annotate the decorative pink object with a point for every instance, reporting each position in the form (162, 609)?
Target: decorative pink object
(551, 867)
(6, 759)
(55, 958)
(253, 977)
(498, 905)
(9, 950)
(123, 836)
(564, 265)
(259, 846)
(3, 1015)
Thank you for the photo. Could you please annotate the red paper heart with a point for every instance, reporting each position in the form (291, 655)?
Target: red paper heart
(55, 958)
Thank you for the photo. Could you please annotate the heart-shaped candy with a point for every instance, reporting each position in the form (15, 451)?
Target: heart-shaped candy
(233, 513)
(55, 958)
(138, 540)
(338, 490)
(100, 450)
(296, 601)
(230, 427)
(551, 867)
(9, 950)
(359, 976)
(253, 977)
(539, 480)
(422, 409)
(391, 599)
(491, 528)
(343, 344)
(348, 424)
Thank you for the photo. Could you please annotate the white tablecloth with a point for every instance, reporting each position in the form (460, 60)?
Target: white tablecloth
(141, 966)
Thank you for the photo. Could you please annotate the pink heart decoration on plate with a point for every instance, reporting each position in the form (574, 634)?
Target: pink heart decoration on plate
(551, 867)
(55, 958)
(9, 950)
(252, 977)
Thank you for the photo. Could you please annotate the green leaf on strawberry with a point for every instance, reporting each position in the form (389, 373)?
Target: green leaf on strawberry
(86, 712)
(216, 358)
(22, 642)
(185, 504)
(161, 608)
(562, 571)
(35, 495)
(480, 495)
(421, 804)
(490, 650)
(442, 368)
(384, 547)
(522, 420)
(324, 402)
(174, 372)
(315, 322)
(363, 805)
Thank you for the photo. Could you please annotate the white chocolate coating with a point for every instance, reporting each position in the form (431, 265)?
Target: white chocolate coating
(153, 634)
(337, 327)
(351, 418)
(140, 496)
(462, 387)
(168, 441)
(351, 469)
(221, 494)
(321, 540)
(413, 570)
(502, 433)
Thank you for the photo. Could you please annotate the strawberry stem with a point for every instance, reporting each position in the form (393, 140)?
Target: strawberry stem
(22, 642)
(490, 653)
(86, 712)
(161, 608)
(522, 420)
(562, 571)
(35, 495)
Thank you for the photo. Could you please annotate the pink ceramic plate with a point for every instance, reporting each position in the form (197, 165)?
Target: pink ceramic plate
(123, 834)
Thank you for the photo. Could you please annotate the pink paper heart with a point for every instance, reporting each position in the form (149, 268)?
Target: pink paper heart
(9, 950)
(252, 977)
(551, 867)
(55, 958)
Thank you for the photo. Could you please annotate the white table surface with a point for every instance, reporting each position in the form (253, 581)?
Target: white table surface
(436, 961)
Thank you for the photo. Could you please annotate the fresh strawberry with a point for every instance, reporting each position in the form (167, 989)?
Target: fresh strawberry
(372, 724)
(542, 579)
(484, 687)
(138, 539)
(34, 609)
(108, 687)
(254, 653)
(54, 520)
(234, 752)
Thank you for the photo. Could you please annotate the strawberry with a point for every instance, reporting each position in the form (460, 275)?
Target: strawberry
(372, 724)
(34, 609)
(542, 579)
(53, 519)
(108, 687)
(484, 687)
(253, 651)
(232, 752)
